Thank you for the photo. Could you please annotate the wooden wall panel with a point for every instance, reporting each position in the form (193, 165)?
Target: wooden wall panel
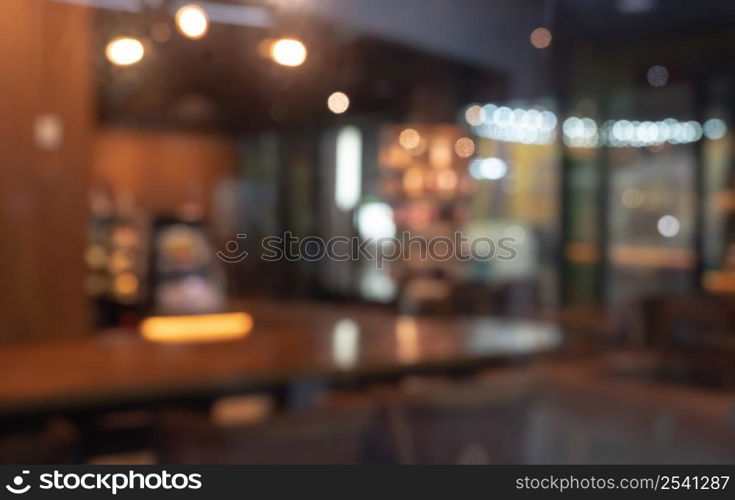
(45, 68)
(161, 171)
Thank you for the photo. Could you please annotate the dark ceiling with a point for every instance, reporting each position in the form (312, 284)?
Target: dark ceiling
(223, 82)
(606, 22)
(379, 51)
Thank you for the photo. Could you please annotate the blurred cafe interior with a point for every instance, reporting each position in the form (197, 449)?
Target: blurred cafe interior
(155, 155)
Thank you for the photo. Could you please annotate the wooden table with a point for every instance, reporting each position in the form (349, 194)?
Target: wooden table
(291, 342)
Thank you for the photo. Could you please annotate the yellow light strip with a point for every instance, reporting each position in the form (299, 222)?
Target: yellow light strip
(199, 328)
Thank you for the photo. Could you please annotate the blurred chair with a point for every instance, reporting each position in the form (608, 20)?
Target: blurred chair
(587, 329)
(592, 422)
(116, 436)
(316, 437)
(694, 335)
(476, 298)
(52, 442)
(477, 421)
(513, 298)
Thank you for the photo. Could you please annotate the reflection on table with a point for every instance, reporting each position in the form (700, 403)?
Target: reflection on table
(289, 343)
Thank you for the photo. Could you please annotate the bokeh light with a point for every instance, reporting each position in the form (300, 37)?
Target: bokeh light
(668, 226)
(192, 21)
(464, 147)
(488, 168)
(657, 76)
(409, 138)
(632, 198)
(348, 181)
(345, 343)
(446, 180)
(440, 152)
(124, 51)
(375, 221)
(475, 115)
(580, 132)
(714, 129)
(525, 126)
(413, 181)
(338, 103)
(126, 284)
(541, 38)
(585, 132)
(288, 52)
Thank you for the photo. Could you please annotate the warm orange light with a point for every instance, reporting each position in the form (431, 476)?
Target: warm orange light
(413, 181)
(288, 52)
(409, 138)
(119, 262)
(126, 284)
(446, 180)
(124, 51)
(200, 328)
(464, 147)
(408, 339)
(440, 153)
(192, 21)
